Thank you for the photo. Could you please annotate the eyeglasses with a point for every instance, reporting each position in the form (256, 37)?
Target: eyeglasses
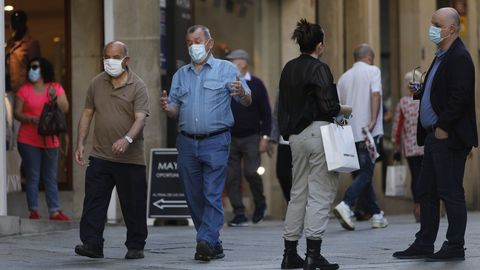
(421, 77)
(416, 85)
(34, 67)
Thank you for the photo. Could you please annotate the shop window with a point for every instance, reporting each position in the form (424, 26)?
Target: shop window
(48, 23)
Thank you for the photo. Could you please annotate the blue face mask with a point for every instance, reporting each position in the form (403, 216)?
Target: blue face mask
(197, 52)
(34, 74)
(435, 35)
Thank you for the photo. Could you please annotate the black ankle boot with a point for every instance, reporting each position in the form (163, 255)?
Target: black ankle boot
(314, 260)
(291, 260)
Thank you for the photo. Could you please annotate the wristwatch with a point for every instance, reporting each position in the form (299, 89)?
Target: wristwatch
(129, 140)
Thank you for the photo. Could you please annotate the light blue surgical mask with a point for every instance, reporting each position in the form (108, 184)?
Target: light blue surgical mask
(34, 74)
(197, 52)
(435, 35)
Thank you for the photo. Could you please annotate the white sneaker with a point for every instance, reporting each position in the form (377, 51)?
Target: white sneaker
(344, 214)
(379, 221)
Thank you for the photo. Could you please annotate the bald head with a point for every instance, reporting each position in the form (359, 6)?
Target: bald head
(362, 52)
(448, 16)
(117, 46)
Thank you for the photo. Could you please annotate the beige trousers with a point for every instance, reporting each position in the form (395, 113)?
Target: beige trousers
(313, 187)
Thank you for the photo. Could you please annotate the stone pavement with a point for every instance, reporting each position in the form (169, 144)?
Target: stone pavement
(255, 247)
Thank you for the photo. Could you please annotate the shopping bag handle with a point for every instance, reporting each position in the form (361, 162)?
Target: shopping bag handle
(343, 121)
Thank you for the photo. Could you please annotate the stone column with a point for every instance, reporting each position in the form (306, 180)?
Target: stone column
(472, 170)
(330, 17)
(291, 12)
(362, 25)
(138, 26)
(415, 49)
(267, 57)
(268, 66)
(3, 153)
(87, 43)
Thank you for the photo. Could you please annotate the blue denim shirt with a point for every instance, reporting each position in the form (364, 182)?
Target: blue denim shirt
(203, 98)
(428, 117)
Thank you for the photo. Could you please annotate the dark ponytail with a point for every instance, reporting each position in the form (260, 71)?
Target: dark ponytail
(307, 35)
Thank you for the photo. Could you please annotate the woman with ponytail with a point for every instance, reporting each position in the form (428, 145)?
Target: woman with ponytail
(307, 100)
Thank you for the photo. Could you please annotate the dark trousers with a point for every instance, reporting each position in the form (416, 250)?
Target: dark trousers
(284, 169)
(244, 149)
(362, 184)
(442, 179)
(362, 206)
(415, 166)
(130, 180)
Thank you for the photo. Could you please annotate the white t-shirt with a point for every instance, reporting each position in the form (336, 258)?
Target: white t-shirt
(354, 89)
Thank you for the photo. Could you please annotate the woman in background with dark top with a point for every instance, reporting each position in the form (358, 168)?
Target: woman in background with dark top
(39, 154)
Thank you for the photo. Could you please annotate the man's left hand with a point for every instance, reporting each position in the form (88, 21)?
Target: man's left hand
(263, 145)
(270, 149)
(120, 146)
(237, 88)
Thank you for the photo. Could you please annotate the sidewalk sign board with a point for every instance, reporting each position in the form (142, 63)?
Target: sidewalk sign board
(165, 194)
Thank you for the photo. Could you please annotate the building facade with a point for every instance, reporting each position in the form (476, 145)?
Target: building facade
(397, 31)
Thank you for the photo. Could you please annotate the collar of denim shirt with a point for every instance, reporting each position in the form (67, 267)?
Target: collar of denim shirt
(209, 63)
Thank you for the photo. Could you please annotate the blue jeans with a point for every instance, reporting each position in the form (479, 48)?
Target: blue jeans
(362, 184)
(40, 163)
(202, 165)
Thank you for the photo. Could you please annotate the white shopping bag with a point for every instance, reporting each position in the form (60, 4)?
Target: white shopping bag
(396, 181)
(13, 183)
(339, 145)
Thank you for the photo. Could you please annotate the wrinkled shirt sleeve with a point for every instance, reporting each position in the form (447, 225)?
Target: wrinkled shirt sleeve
(174, 97)
(326, 91)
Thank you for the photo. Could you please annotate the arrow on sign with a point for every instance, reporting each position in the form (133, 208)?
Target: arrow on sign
(173, 206)
(171, 201)
(162, 204)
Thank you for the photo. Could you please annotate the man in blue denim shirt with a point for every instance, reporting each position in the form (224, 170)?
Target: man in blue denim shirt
(200, 97)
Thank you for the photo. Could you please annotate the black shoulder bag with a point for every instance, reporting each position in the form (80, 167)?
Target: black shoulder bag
(52, 120)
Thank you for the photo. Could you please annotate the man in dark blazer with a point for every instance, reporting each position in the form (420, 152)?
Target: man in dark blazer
(447, 128)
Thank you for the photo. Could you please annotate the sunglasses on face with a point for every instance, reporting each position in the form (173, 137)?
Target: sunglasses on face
(34, 67)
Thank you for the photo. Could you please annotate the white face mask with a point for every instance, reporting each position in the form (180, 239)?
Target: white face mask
(197, 52)
(113, 67)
